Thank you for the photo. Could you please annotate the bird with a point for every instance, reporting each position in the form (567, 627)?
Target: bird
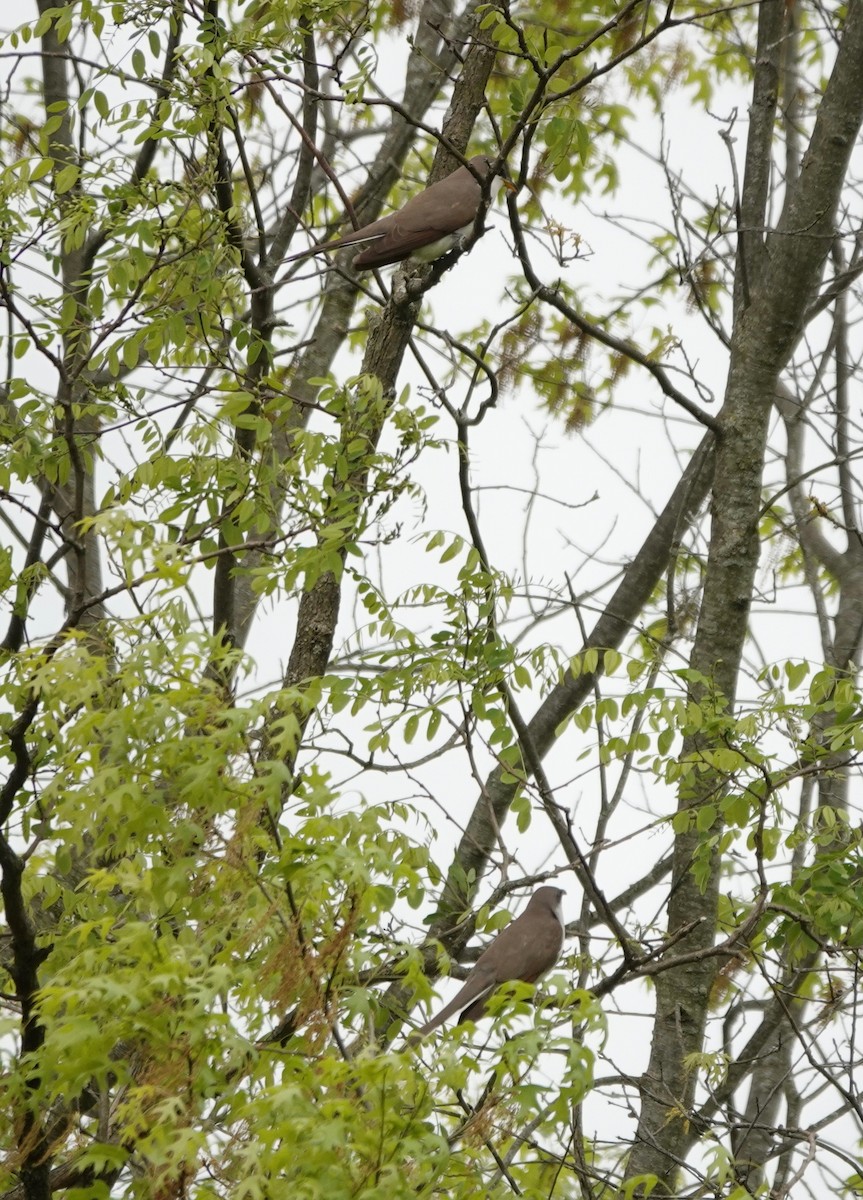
(430, 225)
(525, 950)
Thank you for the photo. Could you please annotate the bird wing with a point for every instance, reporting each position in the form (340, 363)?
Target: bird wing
(524, 949)
(520, 951)
(444, 208)
(479, 984)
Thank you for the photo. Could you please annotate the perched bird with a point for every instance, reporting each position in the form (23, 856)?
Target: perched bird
(526, 949)
(429, 226)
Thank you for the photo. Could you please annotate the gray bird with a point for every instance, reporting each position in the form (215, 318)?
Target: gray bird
(427, 227)
(526, 949)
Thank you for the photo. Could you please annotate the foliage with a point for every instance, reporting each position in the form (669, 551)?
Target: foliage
(311, 669)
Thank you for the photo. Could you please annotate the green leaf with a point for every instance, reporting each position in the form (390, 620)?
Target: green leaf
(796, 673)
(452, 550)
(66, 178)
(522, 808)
(705, 817)
(611, 661)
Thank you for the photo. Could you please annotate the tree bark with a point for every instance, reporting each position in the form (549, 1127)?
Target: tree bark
(765, 333)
